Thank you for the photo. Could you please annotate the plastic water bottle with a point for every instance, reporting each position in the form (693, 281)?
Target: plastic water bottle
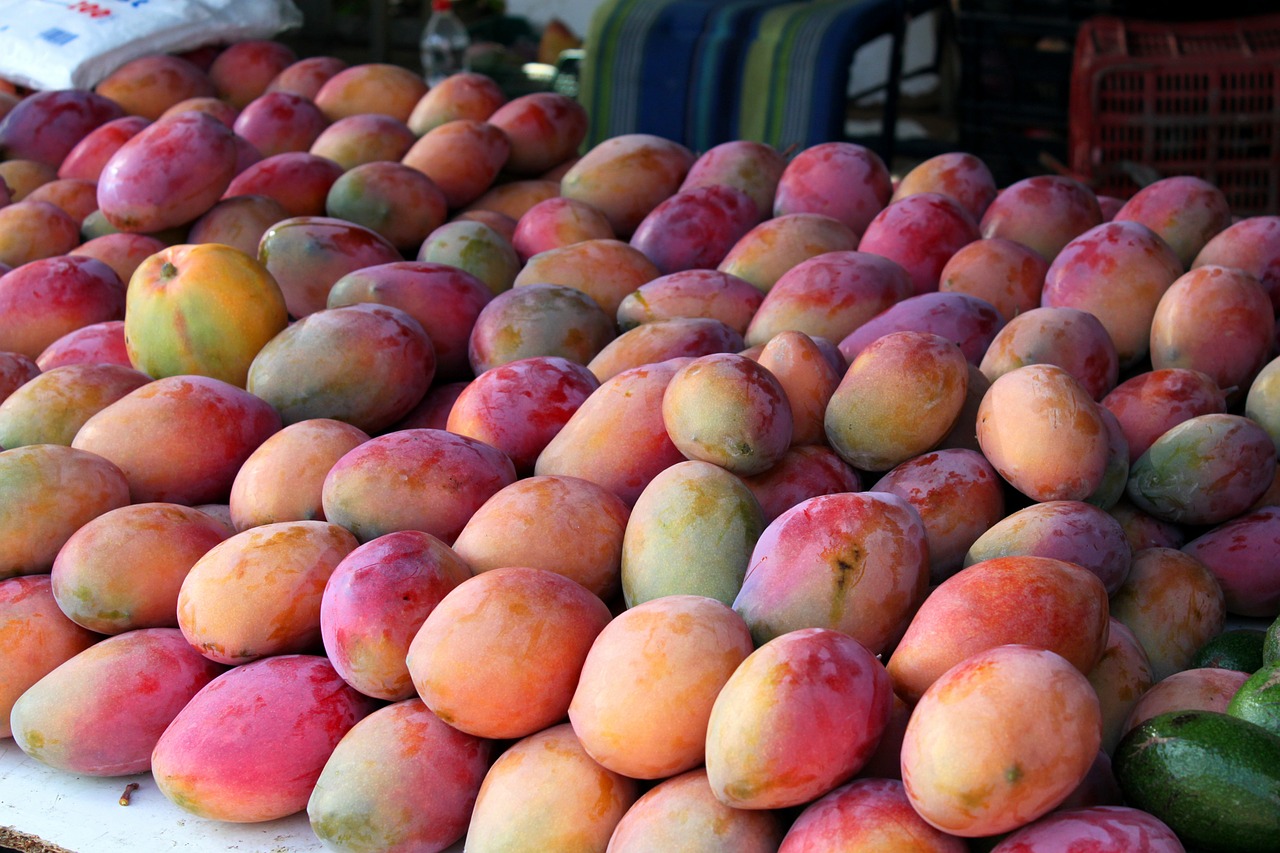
(444, 42)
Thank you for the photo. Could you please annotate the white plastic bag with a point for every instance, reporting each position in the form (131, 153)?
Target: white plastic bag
(57, 44)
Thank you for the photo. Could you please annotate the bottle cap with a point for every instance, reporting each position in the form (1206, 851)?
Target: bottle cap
(441, 5)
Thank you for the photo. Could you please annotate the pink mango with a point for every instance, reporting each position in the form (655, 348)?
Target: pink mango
(375, 601)
(843, 180)
(417, 479)
(921, 232)
(251, 745)
(102, 712)
(147, 434)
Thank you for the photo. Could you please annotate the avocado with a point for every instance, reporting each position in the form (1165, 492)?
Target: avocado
(1239, 649)
(1258, 699)
(1213, 778)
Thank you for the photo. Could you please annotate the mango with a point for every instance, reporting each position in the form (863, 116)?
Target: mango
(1037, 601)
(501, 654)
(855, 563)
(562, 524)
(169, 173)
(728, 410)
(617, 438)
(971, 323)
(683, 813)
(1151, 403)
(86, 159)
(1009, 275)
(920, 232)
(282, 479)
(461, 157)
(899, 398)
(695, 228)
(371, 87)
(1252, 245)
(1216, 320)
(865, 813)
(102, 712)
(605, 270)
(94, 343)
(35, 637)
(1043, 212)
(1186, 211)
(251, 745)
(242, 71)
(843, 180)
(122, 571)
(1204, 470)
(147, 434)
(34, 230)
(966, 782)
(306, 76)
(308, 254)
(797, 718)
(767, 251)
(556, 222)
(752, 167)
(1070, 338)
(627, 176)
(414, 479)
(287, 563)
(1240, 554)
(1200, 689)
(47, 493)
(1073, 531)
(363, 138)
(376, 600)
(544, 128)
(546, 320)
(518, 407)
(829, 296)
(401, 781)
(476, 248)
(51, 408)
(660, 340)
(1043, 432)
(644, 697)
(298, 180)
(1118, 272)
(960, 176)
(44, 299)
(239, 222)
(364, 364)
(466, 94)
(1120, 678)
(121, 251)
(708, 294)
(204, 310)
(803, 472)
(691, 532)
(149, 85)
(46, 126)
(958, 496)
(546, 792)
(276, 122)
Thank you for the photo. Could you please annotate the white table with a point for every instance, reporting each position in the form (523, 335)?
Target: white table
(42, 809)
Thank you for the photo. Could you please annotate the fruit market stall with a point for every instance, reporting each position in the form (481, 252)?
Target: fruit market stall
(384, 464)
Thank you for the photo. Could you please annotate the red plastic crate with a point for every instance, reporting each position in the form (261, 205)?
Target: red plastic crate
(1150, 100)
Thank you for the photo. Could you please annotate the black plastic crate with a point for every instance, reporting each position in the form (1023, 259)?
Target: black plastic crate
(1014, 147)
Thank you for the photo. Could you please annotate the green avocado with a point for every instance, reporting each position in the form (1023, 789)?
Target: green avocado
(1212, 778)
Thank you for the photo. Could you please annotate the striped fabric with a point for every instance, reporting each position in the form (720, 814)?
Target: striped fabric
(718, 60)
(702, 72)
(796, 78)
